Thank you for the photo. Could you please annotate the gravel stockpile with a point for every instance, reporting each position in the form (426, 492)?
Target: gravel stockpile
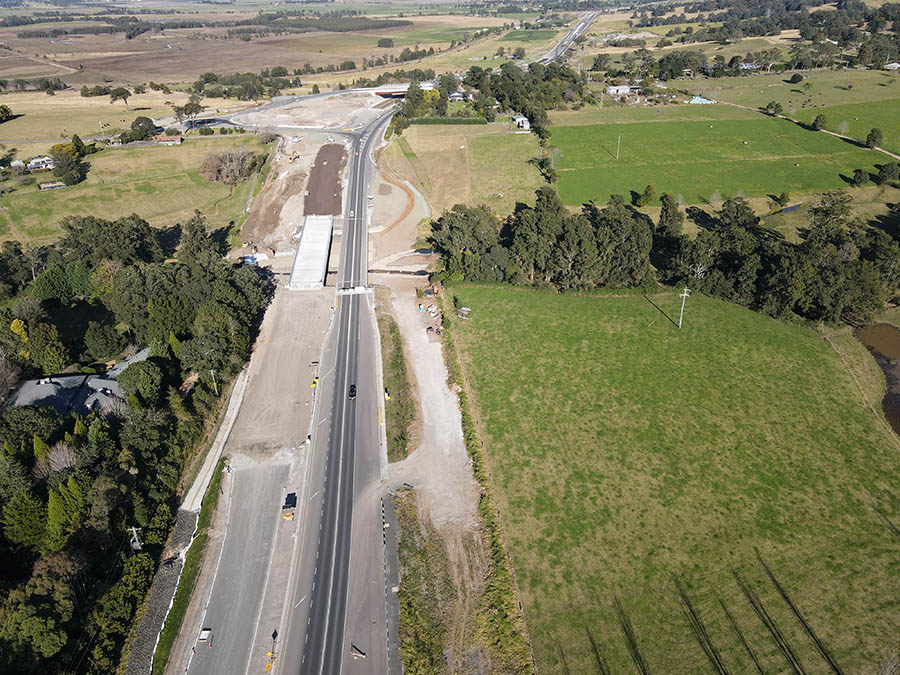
(161, 594)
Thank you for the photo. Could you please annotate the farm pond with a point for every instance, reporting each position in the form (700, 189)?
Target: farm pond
(883, 341)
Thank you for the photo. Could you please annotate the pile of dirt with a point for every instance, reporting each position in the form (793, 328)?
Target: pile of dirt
(324, 187)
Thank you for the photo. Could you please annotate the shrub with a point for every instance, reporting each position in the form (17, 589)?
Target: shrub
(229, 167)
(874, 138)
(206, 131)
(796, 78)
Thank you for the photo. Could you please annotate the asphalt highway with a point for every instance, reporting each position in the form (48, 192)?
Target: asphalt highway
(569, 38)
(323, 644)
(338, 514)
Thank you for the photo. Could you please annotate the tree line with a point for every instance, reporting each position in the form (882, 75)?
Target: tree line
(72, 485)
(529, 92)
(840, 270)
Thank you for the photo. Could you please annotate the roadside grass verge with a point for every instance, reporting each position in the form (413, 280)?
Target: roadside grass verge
(750, 158)
(499, 623)
(193, 562)
(426, 589)
(647, 478)
(460, 164)
(400, 410)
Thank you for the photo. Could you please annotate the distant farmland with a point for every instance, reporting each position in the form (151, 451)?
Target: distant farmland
(648, 476)
(702, 161)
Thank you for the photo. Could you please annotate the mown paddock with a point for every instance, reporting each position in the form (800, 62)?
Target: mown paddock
(159, 183)
(626, 454)
(474, 164)
(703, 161)
(819, 88)
(860, 118)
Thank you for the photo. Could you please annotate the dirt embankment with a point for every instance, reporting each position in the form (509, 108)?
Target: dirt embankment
(324, 185)
(277, 211)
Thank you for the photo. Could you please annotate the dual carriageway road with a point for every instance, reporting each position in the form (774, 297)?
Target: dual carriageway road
(334, 595)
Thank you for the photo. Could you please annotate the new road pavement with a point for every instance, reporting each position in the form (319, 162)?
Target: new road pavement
(352, 438)
(338, 514)
(568, 39)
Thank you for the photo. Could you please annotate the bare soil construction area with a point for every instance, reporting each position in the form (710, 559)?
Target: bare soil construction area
(324, 185)
(277, 211)
(321, 112)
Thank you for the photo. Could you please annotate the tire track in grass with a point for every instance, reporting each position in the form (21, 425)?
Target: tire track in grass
(889, 524)
(628, 631)
(602, 668)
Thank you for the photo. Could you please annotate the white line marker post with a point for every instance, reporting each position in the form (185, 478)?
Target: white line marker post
(684, 296)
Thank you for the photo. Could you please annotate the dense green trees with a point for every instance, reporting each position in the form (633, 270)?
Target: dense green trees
(530, 93)
(874, 138)
(126, 241)
(545, 244)
(841, 270)
(71, 486)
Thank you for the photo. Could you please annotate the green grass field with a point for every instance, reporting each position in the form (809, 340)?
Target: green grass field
(826, 88)
(529, 36)
(860, 118)
(696, 159)
(626, 453)
(161, 184)
(613, 113)
(498, 165)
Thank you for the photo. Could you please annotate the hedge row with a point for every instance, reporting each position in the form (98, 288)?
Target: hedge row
(448, 120)
(500, 625)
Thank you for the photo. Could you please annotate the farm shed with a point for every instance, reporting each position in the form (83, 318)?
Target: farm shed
(521, 122)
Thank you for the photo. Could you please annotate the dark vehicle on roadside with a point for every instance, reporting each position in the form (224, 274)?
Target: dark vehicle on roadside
(290, 505)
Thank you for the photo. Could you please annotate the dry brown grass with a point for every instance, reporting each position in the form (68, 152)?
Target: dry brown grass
(181, 55)
(456, 164)
(67, 113)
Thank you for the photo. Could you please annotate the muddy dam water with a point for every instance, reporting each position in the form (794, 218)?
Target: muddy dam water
(883, 341)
